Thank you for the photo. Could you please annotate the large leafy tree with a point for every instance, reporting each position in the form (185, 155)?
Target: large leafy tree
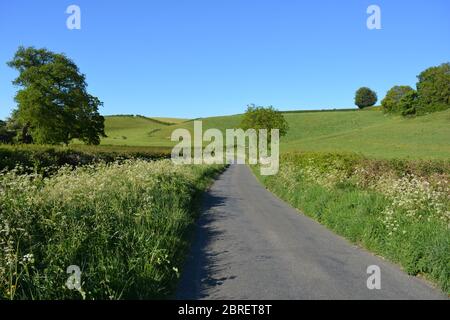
(433, 88)
(264, 118)
(53, 105)
(365, 97)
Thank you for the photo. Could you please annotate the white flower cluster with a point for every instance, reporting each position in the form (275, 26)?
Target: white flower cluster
(411, 197)
(25, 197)
(414, 197)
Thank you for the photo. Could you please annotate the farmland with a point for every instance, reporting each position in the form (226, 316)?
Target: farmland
(379, 180)
(121, 206)
(369, 132)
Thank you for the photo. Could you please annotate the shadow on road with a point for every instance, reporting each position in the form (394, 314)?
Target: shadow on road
(200, 264)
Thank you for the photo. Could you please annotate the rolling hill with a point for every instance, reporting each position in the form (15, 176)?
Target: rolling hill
(370, 132)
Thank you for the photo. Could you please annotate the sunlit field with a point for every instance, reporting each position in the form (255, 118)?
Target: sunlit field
(369, 132)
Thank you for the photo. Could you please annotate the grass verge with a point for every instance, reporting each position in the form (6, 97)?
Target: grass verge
(396, 208)
(123, 224)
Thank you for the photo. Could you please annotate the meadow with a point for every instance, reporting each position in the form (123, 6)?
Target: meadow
(368, 132)
(124, 224)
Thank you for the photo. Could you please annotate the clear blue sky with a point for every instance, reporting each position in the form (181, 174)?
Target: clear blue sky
(196, 58)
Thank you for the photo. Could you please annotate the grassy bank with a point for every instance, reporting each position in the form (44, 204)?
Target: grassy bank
(396, 208)
(124, 224)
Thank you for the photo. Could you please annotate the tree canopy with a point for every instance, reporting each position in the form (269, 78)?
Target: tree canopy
(264, 118)
(433, 88)
(391, 103)
(53, 103)
(365, 97)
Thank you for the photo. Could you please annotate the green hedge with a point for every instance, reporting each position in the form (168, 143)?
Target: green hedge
(45, 159)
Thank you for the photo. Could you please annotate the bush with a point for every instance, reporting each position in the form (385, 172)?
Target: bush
(6, 136)
(365, 97)
(47, 159)
(391, 103)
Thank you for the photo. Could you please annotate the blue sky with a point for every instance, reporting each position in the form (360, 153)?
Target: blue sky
(197, 58)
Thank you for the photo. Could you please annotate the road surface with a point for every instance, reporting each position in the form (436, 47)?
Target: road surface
(251, 245)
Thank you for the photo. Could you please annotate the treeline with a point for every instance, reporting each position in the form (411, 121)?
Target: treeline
(432, 94)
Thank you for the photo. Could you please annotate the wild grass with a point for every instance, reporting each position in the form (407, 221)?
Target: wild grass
(398, 209)
(124, 224)
(368, 132)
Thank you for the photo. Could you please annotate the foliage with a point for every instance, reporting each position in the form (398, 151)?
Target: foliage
(433, 94)
(365, 97)
(399, 209)
(6, 136)
(391, 103)
(48, 159)
(123, 224)
(408, 104)
(264, 118)
(433, 89)
(53, 103)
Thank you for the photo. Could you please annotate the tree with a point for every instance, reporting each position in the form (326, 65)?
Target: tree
(408, 103)
(365, 97)
(391, 103)
(53, 105)
(433, 88)
(264, 118)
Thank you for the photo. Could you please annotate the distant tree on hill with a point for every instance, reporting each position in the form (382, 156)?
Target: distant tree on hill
(433, 89)
(365, 97)
(53, 105)
(264, 118)
(391, 103)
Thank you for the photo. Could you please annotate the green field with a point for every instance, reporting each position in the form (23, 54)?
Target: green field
(371, 133)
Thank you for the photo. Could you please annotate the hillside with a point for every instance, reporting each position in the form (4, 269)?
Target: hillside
(369, 132)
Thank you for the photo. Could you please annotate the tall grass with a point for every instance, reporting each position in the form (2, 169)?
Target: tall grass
(398, 209)
(124, 224)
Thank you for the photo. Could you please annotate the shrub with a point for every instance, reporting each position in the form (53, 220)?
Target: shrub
(6, 136)
(365, 97)
(47, 159)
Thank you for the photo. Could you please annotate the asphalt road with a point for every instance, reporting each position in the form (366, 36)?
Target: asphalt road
(251, 245)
